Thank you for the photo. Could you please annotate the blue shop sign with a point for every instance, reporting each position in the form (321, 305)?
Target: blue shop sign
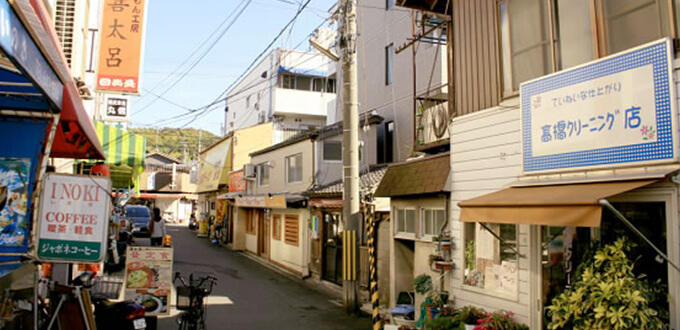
(17, 43)
(614, 112)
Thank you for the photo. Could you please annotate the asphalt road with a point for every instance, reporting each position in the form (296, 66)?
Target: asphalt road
(251, 296)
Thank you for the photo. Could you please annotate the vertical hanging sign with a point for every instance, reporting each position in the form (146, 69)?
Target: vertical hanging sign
(120, 46)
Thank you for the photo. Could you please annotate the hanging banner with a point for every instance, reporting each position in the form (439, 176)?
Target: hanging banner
(73, 219)
(214, 163)
(148, 278)
(19, 160)
(14, 173)
(120, 46)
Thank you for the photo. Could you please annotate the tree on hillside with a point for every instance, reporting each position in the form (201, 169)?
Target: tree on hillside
(174, 141)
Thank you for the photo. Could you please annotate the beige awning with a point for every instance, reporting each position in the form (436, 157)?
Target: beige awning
(553, 205)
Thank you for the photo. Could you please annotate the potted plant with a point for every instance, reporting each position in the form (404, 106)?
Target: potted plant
(434, 300)
(499, 320)
(469, 316)
(607, 294)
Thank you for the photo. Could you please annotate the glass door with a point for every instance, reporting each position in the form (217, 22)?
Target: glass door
(563, 249)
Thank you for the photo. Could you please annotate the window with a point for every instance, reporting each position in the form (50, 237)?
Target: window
(294, 168)
(318, 84)
(251, 222)
(491, 258)
(389, 4)
(276, 227)
(332, 150)
(248, 101)
(288, 81)
(406, 221)
(263, 174)
(432, 221)
(389, 63)
(303, 83)
(291, 231)
(538, 37)
(330, 86)
(385, 136)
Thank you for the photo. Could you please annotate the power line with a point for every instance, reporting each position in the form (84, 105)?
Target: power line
(200, 111)
(205, 53)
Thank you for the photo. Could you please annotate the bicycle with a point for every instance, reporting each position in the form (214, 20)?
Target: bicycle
(190, 300)
(221, 232)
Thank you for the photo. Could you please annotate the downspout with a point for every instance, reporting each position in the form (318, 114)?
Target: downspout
(306, 273)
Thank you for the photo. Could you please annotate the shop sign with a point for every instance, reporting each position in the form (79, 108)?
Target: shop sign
(120, 50)
(148, 278)
(73, 218)
(17, 43)
(613, 112)
(236, 181)
(212, 164)
(116, 108)
(274, 202)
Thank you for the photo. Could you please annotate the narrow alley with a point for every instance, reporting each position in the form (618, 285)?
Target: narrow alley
(251, 296)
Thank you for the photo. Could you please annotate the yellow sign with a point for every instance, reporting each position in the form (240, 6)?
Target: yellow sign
(120, 45)
(266, 202)
(214, 162)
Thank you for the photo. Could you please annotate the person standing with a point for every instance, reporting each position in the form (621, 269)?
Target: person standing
(157, 228)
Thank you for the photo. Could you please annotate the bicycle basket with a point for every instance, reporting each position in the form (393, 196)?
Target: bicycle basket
(183, 294)
(107, 287)
(198, 282)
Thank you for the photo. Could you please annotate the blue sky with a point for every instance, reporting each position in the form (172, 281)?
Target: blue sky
(175, 29)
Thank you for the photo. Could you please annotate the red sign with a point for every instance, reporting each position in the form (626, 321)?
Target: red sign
(237, 182)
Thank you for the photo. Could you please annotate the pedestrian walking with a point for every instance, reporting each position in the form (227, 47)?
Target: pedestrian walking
(157, 228)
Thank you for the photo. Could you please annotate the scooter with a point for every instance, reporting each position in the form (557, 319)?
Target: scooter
(193, 223)
(122, 315)
(117, 248)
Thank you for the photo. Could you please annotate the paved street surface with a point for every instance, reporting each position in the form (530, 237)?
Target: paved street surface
(250, 295)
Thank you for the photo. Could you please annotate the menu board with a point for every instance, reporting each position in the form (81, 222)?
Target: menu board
(148, 277)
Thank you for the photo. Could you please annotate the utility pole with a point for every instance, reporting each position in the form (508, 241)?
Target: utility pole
(350, 157)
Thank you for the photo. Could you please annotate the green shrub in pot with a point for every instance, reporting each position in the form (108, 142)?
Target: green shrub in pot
(607, 295)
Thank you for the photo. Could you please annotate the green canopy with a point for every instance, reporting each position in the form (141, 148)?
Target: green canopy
(125, 154)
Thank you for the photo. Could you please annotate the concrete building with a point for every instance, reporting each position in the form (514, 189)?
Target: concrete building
(273, 209)
(292, 89)
(166, 184)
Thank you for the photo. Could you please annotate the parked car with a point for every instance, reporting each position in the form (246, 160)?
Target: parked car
(139, 217)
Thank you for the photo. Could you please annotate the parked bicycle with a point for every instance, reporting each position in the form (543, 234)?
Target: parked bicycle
(190, 299)
(221, 232)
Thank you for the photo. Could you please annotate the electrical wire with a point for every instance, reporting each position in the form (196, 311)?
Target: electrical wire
(204, 54)
(221, 97)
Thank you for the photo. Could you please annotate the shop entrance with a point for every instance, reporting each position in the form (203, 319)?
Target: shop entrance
(263, 233)
(332, 247)
(564, 248)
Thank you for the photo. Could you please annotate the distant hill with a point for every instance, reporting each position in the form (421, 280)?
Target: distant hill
(172, 141)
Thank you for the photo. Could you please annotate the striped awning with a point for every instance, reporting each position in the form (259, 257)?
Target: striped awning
(125, 154)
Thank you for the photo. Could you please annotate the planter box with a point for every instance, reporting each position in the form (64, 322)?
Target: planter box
(444, 265)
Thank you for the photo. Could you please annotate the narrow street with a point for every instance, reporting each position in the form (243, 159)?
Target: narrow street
(250, 295)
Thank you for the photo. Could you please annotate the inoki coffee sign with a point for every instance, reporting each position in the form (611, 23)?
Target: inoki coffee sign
(73, 218)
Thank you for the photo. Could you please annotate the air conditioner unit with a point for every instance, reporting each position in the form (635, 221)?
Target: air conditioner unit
(249, 170)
